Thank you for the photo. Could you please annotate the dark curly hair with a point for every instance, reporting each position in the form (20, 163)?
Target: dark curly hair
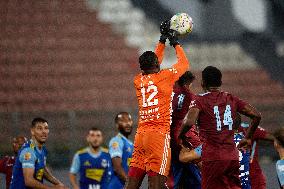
(212, 77)
(187, 78)
(148, 60)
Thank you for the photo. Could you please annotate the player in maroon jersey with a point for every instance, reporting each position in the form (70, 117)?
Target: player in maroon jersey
(257, 177)
(7, 162)
(180, 104)
(215, 111)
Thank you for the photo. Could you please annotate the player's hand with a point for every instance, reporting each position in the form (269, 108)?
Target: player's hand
(172, 35)
(244, 144)
(164, 29)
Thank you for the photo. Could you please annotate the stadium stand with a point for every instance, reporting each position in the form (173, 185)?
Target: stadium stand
(58, 61)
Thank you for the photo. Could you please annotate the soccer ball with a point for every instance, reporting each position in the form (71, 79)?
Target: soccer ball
(182, 23)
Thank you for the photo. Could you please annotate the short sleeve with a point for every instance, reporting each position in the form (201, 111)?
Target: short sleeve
(280, 171)
(75, 167)
(28, 158)
(240, 104)
(195, 103)
(260, 133)
(116, 147)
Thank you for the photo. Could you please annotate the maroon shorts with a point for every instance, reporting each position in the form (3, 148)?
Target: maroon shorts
(220, 174)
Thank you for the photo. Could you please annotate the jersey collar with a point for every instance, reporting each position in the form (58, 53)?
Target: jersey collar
(34, 145)
(94, 155)
(122, 136)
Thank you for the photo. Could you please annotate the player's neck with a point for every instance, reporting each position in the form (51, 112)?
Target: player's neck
(213, 89)
(38, 144)
(95, 150)
(281, 153)
(124, 134)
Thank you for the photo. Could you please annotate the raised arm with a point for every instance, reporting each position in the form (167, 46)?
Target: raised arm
(160, 51)
(160, 48)
(182, 64)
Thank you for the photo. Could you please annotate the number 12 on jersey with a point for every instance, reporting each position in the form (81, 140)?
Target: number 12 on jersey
(228, 121)
(152, 91)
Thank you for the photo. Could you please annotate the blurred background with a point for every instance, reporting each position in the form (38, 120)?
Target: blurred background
(73, 62)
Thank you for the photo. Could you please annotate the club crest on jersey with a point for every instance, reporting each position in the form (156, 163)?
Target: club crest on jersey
(115, 145)
(87, 163)
(128, 149)
(104, 163)
(27, 156)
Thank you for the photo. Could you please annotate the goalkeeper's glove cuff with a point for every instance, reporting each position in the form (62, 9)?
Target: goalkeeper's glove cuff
(163, 39)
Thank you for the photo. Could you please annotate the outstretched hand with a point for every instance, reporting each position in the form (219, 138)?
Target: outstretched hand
(172, 35)
(164, 29)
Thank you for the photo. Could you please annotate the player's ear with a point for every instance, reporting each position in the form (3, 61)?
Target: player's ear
(87, 138)
(32, 131)
(276, 144)
(202, 84)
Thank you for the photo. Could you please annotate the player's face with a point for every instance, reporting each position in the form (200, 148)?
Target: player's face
(18, 143)
(125, 124)
(40, 132)
(95, 138)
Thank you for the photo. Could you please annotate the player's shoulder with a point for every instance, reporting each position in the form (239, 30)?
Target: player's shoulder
(82, 151)
(116, 138)
(280, 162)
(169, 71)
(259, 128)
(202, 95)
(280, 165)
(137, 77)
(104, 150)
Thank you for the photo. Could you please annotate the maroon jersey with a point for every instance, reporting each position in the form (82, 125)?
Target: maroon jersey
(180, 104)
(217, 112)
(6, 167)
(181, 101)
(256, 173)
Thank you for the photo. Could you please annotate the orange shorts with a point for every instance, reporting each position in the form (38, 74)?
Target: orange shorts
(152, 152)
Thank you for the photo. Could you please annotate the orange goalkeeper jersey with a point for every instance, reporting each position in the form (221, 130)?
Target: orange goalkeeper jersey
(154, 92)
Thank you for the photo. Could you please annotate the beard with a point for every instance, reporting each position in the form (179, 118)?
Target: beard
(124, 132)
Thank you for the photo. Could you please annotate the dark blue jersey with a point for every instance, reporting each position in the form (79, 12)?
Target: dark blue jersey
(94, 169)
(244, 159)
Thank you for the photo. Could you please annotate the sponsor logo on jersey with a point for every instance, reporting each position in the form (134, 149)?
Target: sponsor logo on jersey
(87, 163)
(115, 145)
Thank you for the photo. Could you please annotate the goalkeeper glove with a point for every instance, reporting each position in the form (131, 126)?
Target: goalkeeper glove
(164, 29)
(172, 35)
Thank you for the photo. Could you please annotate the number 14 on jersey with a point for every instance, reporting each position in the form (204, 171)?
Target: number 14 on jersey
(228, 121)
